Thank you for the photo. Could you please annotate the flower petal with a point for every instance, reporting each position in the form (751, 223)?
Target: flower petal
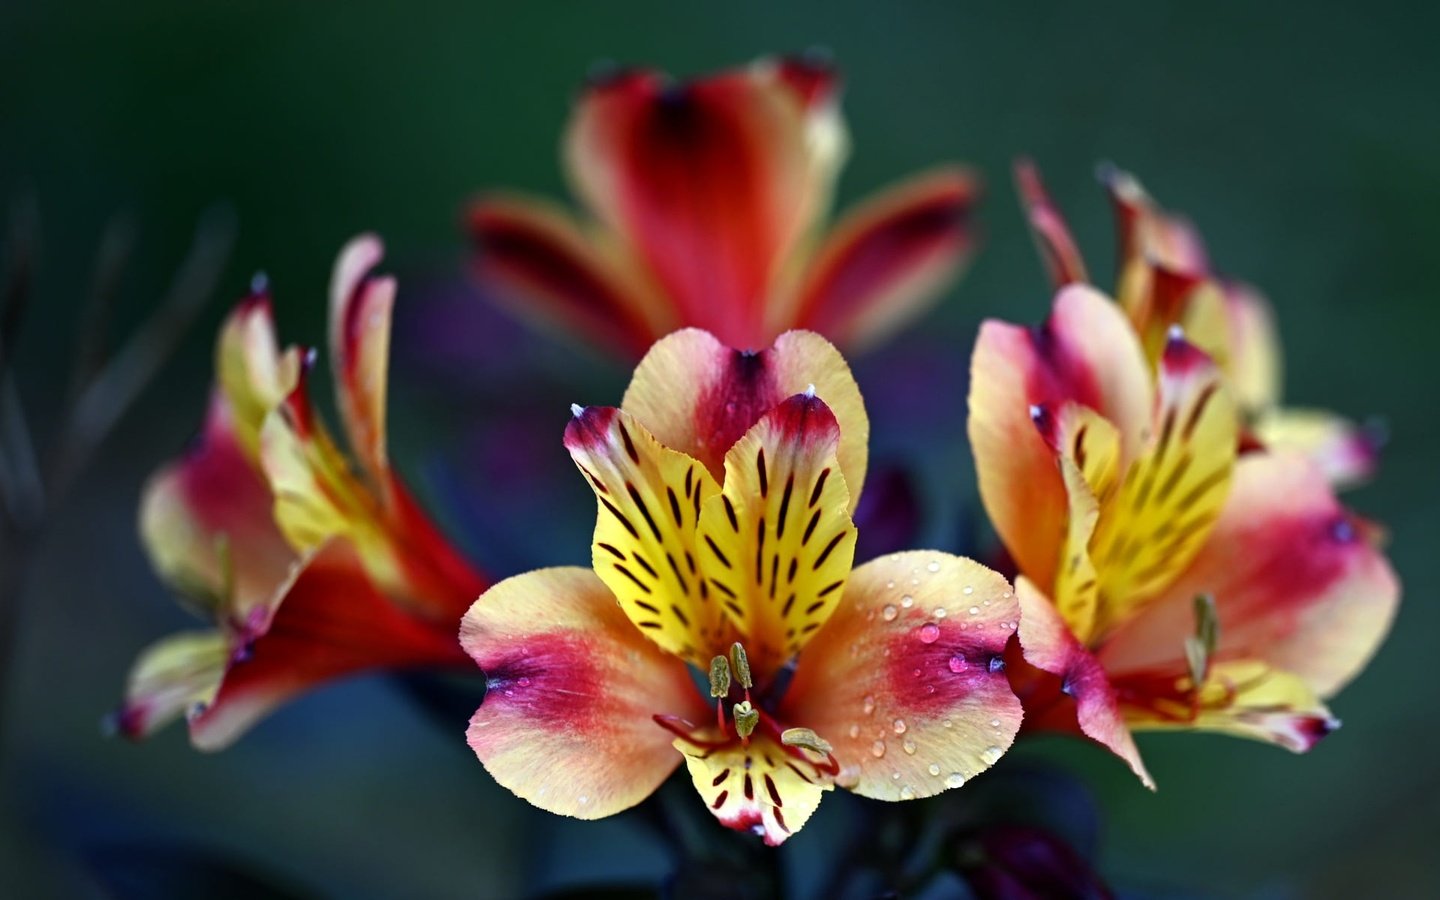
(360, 308)
(1063, 260)
(887, 260)
(1085, 353)
(537, 260)
(762, 787)
(170, 678)
(1048, 645)
(1253, 363)
(1172, 494)
(206, 520)
(251, 371)
(329, 621)
(567, 719)
(709, 182)
(1347, 453)
(646, 548)
(699, 397)
(907, 679)
(779, 540)
(1295, 583)
(1246, 698)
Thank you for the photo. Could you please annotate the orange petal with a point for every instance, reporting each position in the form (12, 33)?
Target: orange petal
(907, 679)
(709, 182)
(206, 520)
(360, 308)
(779, 540)
(1173, 492)
(1048, 645)
(1347, 453)
(1085, 353)
(646, 547)
(1052, 236)
(887, 260)
(538, 261)
(1295, 583)
(328, 622)
(762, 787)
(567, 718)
(699, 397)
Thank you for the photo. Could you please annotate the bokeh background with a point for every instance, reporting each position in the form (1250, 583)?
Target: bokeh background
(1303, 140)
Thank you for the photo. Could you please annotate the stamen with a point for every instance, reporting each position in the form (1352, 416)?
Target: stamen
(719, 677)
(741, 665)
(746, 718)
(1200, 646)
(804, 737)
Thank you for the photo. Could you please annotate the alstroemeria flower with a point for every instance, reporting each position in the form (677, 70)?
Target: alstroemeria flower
(308, 568)
(708, 199)
(1167, 581)
(724, 543)
(1166, 279)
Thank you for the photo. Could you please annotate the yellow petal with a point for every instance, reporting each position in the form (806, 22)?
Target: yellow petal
(1344, 451)
(778, 542)
(360, 309)
(170, 678)
(646, 547)
(763, 787)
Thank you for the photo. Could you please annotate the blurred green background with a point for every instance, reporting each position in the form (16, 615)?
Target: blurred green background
(1303, 140)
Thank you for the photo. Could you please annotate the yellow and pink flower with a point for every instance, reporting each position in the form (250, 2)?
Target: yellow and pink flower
(308, 568)
(1166, 279)
(724, 544)
(1167, 580)
(707, 200)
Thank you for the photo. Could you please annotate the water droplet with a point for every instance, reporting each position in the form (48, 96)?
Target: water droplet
(889, 612)
(523, 681)
(964, 626)
(974, 610)
(929, 633)
(967, 590)
(954, 780)
(994, 723)
(899, 726)
(929, 688)
(583, 799)
(957, 664)
(934, 567)
(907, 792)
(854, 731)
(869, 704)
(894, 776)
(986, 603)
(877, 749)
(941, 612)
(991, 754)
(870, 616)
(917, 672)
(907, 601)
(947, 723)
(890, 584)
(934, 769)
(909, 747)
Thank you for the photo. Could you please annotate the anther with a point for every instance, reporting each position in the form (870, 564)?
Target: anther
(746, 718)
(740, 663)
(719, 677)
(804, 737)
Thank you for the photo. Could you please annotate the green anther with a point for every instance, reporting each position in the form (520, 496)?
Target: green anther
(741, 664)
(1200, 646)
(746, 718)
(719, 677)
(804, 737)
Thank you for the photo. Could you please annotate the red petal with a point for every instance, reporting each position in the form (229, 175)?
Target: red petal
(1052, 236)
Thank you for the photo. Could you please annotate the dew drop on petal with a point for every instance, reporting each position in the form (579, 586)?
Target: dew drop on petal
(934, 769)
(854, 731)
(869, 704)
(967, 590)
(877, 749)
(890, 584)
(583, 799)
(957, 664)
(523, 681)
(909, 747)
(954, 780)
(889, 612)
(894, 776)
(974, 610)
(929, 633)
(940, 612)
(947, 723)
(907, 601)
(899, 726)
(933, 567)
(907, 792)
(992, 754)
(994, 723)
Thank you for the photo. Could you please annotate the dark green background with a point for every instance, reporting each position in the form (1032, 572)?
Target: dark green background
(1301, 138)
